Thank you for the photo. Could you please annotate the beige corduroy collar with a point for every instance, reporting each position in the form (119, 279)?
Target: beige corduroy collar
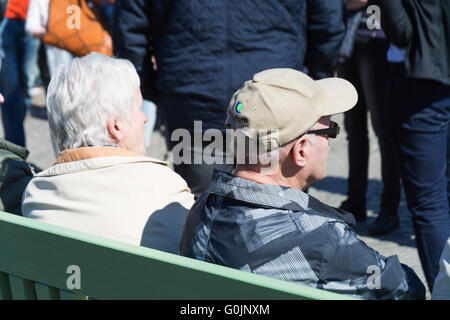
(93, 152)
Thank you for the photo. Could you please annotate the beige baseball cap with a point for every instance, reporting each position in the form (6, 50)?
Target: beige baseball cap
(279, 105)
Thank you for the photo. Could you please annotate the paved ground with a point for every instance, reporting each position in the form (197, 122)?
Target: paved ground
(332, 190)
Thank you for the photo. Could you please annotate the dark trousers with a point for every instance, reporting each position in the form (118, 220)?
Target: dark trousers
(198, 176)
(422, 117)
(198, 173)
(176, 110)
(367, 70)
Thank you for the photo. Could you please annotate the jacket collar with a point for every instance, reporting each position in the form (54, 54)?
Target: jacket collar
(273, 196)
(93, 152)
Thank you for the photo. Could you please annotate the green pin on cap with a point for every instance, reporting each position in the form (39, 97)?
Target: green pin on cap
(239, 107)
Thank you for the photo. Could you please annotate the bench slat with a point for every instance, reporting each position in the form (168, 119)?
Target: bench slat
(22, 289)
(5, 288)
(67, 295)
(45, 292)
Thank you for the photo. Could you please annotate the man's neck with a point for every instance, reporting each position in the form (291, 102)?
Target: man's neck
(275, 179)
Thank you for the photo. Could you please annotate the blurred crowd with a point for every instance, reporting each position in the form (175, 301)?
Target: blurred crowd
(192, 56)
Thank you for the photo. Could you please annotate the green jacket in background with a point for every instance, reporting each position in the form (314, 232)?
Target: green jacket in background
(15, 173)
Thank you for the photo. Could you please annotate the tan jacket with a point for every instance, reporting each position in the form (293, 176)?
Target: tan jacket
(113, 193)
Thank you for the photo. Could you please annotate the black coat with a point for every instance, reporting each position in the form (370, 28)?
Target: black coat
(15, 174)
(205, 49)
(423, 27)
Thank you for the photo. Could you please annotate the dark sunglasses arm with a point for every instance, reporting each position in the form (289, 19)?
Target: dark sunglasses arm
(331, 132)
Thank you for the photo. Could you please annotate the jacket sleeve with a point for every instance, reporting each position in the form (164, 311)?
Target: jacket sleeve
(394, 21)
(132, 35)
(354, 268)
(326, 29)
(37, 16)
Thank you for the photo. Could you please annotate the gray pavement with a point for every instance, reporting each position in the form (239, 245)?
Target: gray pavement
(331, 190)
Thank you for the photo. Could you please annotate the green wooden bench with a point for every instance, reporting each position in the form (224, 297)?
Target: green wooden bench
(36, 260)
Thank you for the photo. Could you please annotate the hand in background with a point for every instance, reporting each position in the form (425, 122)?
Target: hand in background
(38, 32)
(155, 65)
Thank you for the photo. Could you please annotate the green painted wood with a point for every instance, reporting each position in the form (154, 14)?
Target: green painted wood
(5, 289)
(116, 270)
(45, 292)
(22, 289)
(81, 296)
(67, 295)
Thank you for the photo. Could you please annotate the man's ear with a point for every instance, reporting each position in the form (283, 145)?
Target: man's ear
(114, 129)
(299, 151)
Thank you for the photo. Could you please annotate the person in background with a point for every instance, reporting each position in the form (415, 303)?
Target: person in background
(366, 67)
(18, 69)
(102, 183)
(148, 89)
(204, 51)
(15, 174)
(36, 26)
(3, 5)
(422, 116)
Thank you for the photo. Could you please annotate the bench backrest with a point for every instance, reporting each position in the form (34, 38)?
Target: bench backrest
(43, 261)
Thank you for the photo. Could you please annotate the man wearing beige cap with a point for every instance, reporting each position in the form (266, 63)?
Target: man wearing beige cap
(261, 221)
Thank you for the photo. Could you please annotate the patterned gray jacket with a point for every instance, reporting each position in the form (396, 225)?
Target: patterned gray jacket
(286, 234)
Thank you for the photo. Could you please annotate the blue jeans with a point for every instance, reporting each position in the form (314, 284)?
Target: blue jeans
(422, 137)
(56, 57)
(18, 71)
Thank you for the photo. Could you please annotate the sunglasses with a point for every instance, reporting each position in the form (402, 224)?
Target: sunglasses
(332, 131)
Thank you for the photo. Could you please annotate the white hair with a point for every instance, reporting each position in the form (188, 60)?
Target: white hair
(82, 96)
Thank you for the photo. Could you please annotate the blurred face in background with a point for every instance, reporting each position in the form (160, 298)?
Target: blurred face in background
(1, 98)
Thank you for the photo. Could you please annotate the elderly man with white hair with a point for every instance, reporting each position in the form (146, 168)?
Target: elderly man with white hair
(260, 220)
(102, 182)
